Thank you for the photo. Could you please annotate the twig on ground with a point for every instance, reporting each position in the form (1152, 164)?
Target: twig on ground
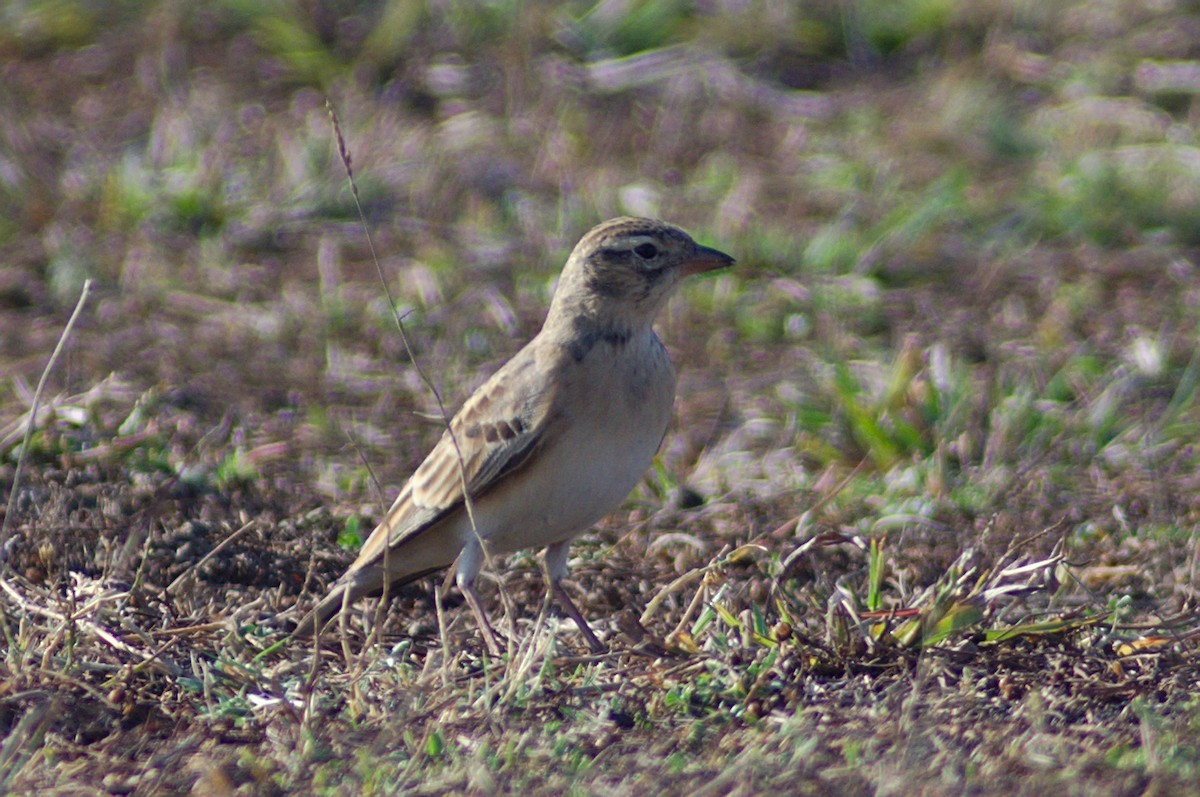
(191, 571)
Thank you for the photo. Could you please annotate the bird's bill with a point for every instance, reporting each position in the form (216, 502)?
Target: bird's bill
(706, 259)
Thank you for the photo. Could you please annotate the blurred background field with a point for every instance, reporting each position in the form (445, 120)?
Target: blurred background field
(927, 520)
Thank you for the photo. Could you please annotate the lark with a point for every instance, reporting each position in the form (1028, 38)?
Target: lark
(554, 440)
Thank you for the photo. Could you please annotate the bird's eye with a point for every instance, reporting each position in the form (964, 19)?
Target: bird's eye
(646, 251)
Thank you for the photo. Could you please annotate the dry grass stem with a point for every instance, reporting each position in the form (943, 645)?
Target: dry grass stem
(33, 409)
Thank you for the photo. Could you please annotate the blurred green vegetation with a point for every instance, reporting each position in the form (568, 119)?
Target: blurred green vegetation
(965, 231)
(1008, 191)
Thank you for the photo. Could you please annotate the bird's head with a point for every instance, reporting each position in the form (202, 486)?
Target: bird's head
(623, 271)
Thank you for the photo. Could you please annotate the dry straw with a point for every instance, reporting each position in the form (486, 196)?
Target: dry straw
(347, 164)
(33, 410)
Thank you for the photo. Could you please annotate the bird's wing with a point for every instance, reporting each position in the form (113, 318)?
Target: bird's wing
(497, 431)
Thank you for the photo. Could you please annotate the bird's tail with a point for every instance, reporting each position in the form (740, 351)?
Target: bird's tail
(348, 589)
(315, 621)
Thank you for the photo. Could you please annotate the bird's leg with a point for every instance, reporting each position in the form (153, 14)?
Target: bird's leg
(469, 563)
(556, 571)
